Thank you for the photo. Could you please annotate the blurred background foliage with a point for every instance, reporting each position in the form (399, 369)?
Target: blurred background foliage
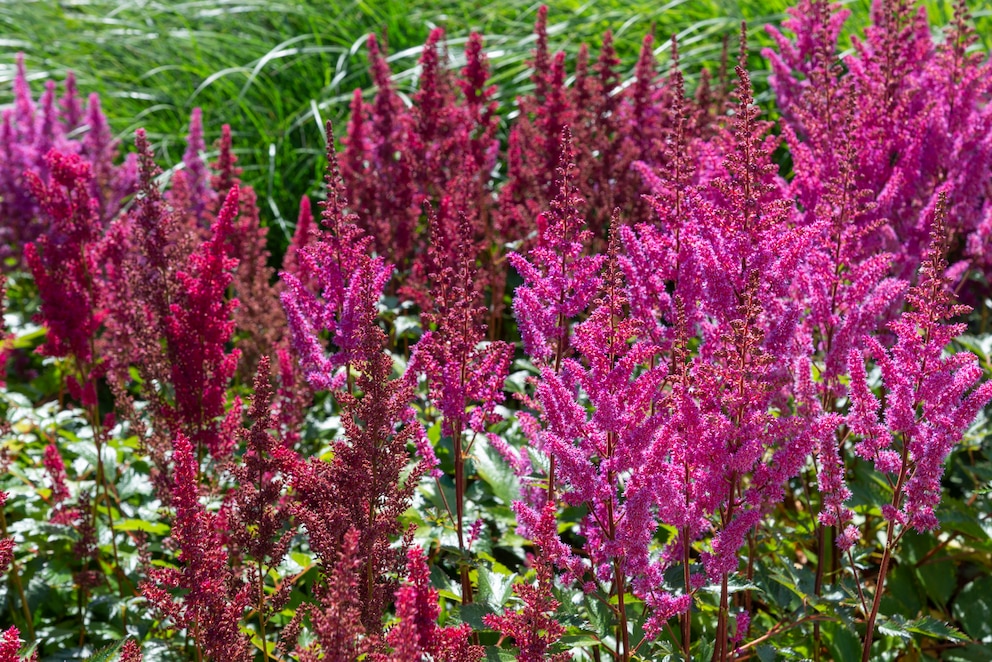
(274, 70)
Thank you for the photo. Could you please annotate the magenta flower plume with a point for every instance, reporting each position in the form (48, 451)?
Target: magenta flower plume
(378, 167)
(560, 281)
(6, 553)
(10, 645)
(198, 329)
(592, 453)
(304, 235)
(196, 169)
(70, 108)
(55, 467)
(350, 282)
(480, 105)
(6, 544)
(131, 651)
(537, 142)
(939, 140)
(417, 634)
(258, 510)
(111, 184)
(930, 399)
(225, 171)
(465, 377)
(336, 619)
(63, 262)
(259, 517)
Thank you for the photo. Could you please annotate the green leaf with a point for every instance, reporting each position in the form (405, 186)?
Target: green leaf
(494, 654)
(973, 608)
(898, 626)
(931, 627)
(600, 617)
(494, 588)
(472, 614)
(894, 627)
(841, 642)
(30, 339)
(936, 574)
(767, 654)
(446, 587)
(407, 326)
(961, 518)
(108, 654)
(156, 528)
(495, 472)
(972, 653)
(704, 649)
(516, 382)
(579, 641)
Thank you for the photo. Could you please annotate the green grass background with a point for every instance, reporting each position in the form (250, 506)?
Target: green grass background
(274, 70)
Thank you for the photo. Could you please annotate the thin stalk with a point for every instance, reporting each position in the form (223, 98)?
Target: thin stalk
(460, 513)
(261, 617)
(261, 577)
(857, 582)
(101, 480)
(460, 478)
(623, 638)
(821, 551)
(877, 601)
(15, 579)
(778, 629)
(720, 654)
(891, 540)
(687, 616)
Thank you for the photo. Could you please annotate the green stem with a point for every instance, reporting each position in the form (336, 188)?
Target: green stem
(15, 579)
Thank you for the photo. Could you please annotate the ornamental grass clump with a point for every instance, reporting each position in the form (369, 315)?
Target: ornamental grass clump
(653, 378)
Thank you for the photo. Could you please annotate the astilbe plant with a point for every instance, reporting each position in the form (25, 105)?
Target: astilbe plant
(614, 126)
(731, 294)
(724, 397)
(734, 330)
(465, 378)
(867, 188)
(142, 252)
(560, 281)
(258, 509)
(595, 454)
(350, 283)
(303, 235)
(64, 262)
(534, 628)
(10, 645)
(28, 134)
(440, 151)
(378, 169)
(213, 598)
(930, 400)
(417, 633)
(535, 143)
(936, 96)
(10, 639)
(259, 320)
(336, 618)
(364, 488)
(64, 265)
(197, 329)
(350, 505)
(169, 315)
